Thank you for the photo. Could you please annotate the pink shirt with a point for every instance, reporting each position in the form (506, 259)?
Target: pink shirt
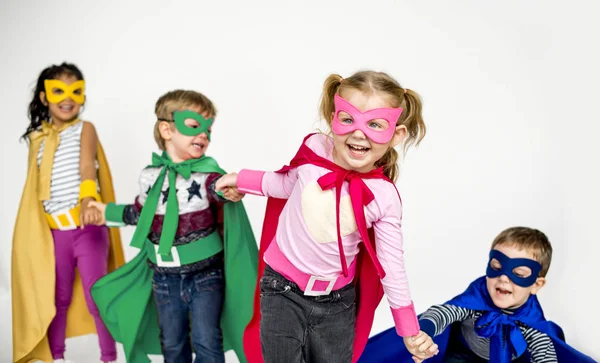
(306, 233)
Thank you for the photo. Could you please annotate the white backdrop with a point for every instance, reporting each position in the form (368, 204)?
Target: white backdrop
(507, 90)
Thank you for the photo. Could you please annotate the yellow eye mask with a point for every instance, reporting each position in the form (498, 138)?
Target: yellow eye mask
(58, 91)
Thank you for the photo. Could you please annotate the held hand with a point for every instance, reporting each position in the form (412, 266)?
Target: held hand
(97, 208)
(421, 346)
(226, 181)
(233, 194)
(89, 215)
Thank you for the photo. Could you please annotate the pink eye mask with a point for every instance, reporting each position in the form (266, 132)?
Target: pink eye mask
(361, 121)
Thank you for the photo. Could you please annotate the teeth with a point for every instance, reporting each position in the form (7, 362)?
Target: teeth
(359, 149)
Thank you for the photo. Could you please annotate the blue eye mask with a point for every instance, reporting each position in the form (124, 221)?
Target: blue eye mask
(508, 265)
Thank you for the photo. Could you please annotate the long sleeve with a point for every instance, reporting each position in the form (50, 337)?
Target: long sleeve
(270, 184)
(114, 213)
(539, 345)
(213, 197)
(389, 243)
(125, 214)
(439, 317)
(121, 214)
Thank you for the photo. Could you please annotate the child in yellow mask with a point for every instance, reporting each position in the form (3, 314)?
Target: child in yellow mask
(56, 240)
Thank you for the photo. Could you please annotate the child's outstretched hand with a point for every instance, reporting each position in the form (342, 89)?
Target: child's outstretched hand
(88, 214)
(98, 208)
(227, 180)
(226, 185)
(421, 346)
(233, 194)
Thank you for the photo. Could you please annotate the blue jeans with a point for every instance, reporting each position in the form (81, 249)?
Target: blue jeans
(193, 302)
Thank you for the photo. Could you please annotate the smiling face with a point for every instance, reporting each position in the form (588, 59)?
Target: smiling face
(504, 292)
(67, 109)
(354, 150)
(181, 147)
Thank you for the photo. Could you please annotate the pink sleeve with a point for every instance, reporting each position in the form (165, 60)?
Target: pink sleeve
(250, 181)
(389, 243)
(406, 321)
(270, 184)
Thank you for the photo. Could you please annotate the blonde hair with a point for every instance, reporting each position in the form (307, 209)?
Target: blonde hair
(530, 240)
(370, 82)
(176, 101)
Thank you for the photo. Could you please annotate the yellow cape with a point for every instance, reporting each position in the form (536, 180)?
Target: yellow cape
(33, 271)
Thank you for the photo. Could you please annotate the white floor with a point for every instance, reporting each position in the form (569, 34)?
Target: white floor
(79, 350)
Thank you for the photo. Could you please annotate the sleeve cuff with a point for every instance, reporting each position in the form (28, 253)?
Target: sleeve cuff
(218, 196)
(427, 326)
(89, 189)
(114, 213)
(405, 320)
(250, 181)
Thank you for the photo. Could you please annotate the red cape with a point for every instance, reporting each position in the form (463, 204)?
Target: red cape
(369, 290)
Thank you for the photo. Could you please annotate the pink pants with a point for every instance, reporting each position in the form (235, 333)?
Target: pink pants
(87, 250)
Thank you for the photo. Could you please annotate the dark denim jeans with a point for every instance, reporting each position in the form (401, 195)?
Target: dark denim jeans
(295, 328)
(193, 302)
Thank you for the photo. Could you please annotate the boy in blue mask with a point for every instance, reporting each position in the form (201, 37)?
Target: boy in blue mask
(498, 318)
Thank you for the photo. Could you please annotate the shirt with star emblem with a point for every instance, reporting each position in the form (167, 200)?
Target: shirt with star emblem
(198, 213)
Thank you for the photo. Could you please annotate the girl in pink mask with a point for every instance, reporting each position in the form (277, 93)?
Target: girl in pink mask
(332, 237)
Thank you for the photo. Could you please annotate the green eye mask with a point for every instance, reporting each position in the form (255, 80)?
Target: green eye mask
(179, 118)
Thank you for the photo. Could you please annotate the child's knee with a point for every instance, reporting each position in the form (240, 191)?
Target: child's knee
(62, 299)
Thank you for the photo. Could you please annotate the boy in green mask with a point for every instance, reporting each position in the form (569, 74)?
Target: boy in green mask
(184, 282)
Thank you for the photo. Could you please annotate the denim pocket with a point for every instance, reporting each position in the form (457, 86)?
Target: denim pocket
(271, 285)
(347, 303)
(161, 293)
(209, 281)
(348, 298)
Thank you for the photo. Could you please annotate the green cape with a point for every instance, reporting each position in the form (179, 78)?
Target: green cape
(124, 297)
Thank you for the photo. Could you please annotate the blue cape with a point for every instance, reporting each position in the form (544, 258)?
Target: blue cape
(389, 347)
